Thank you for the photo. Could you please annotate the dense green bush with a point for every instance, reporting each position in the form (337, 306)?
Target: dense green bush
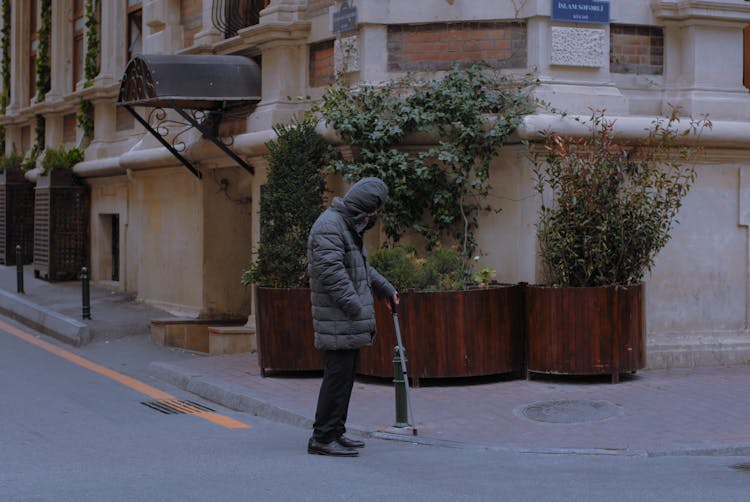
(60, 158)
(613, 202)
(12, 160)
(290, 202)
(442, 269)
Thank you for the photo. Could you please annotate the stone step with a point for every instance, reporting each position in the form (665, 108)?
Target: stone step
(189, 334)
(231, 339)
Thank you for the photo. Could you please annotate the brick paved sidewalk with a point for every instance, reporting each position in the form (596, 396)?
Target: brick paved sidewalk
(703, 410)
(679, 411)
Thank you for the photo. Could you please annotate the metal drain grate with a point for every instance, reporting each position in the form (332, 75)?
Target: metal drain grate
(177, 407)
(741, 467)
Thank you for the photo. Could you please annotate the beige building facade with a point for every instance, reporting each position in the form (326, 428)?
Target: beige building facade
(182, 242)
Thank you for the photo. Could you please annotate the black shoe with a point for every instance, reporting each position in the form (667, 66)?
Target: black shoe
(350, 443)
(333, 448)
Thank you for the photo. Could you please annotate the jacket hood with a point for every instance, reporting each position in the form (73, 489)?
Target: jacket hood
(365, 196)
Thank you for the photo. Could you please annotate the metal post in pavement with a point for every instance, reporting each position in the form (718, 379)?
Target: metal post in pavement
(86, 311)
(399, 385)
(19, 268)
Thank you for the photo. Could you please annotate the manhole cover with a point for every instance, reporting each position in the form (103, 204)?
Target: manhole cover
(570, 411)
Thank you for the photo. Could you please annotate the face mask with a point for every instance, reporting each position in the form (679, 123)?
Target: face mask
(371, 221)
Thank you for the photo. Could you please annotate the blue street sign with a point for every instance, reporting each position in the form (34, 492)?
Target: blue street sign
(581, 11)
(345, 19)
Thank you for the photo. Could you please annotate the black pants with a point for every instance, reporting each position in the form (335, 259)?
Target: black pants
(335, 391)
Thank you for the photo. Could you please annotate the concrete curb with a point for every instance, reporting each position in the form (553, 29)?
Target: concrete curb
(235, 398)
(47, 321)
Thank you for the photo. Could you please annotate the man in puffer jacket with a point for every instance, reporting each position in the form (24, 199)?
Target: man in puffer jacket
(342, 285)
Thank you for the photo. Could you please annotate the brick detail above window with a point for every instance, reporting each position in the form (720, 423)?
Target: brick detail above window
(321, 64)
(440, 46)
(636, 49)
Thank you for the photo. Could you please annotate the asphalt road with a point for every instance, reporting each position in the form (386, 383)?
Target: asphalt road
(74, 429)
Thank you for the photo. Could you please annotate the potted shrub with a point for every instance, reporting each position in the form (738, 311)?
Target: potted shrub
(61, 217)
(16, 210)
(454, 323)
(292, 198)
(608, 206)
(433, 144)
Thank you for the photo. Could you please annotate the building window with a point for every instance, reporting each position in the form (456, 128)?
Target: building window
(25, 139)
(78, 24)
(135, 28)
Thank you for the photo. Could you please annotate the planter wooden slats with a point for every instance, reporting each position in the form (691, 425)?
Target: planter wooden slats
(451, 334)
(16, 216)
(61, 226)
(284, 331)
(586, 331)
(446, 334)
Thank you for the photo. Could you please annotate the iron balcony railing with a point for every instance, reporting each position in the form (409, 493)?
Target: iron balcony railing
(229, 16)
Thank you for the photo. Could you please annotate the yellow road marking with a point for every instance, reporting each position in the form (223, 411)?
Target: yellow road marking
(125, 380)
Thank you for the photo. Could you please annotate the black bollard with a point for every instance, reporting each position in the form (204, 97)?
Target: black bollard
(399, 385)
(19, 268)
(86, 313)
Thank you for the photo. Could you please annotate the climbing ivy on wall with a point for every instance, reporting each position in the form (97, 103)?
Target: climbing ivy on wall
(91, 65)
(4, 67)
(5, 62)
(43, 74)
(85, 117)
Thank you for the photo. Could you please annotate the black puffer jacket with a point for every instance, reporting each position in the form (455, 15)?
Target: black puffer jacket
(341, 280)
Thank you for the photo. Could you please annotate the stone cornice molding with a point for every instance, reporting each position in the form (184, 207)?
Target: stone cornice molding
(705, 11)
(274, 34)
(67, 104)
(727, 141)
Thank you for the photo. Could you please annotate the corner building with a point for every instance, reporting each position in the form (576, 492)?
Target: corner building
(180, 242)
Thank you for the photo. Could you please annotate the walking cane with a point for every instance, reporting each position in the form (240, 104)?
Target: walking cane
(403, 366)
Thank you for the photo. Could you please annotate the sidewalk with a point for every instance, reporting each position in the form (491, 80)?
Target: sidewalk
(701, 411)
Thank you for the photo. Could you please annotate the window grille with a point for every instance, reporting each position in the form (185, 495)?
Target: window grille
(229, 16)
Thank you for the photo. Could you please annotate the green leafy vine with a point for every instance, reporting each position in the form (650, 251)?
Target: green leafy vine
(85, 116)
(436, 191)
(43, 73)
(91, 65)
(5, 62)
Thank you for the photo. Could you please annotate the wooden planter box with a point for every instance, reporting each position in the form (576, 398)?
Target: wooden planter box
(586, 331)
(446, 334)
(61, 226)
(284, 331)
(451, 334)
(16, 216)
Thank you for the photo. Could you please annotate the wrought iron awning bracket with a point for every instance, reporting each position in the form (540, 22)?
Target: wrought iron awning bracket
(163, 141)
(207, 132)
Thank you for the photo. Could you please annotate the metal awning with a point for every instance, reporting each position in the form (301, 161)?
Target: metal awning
(200, 88)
